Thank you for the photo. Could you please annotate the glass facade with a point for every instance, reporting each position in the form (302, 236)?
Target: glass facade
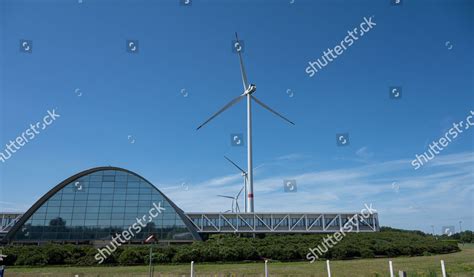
(99, 205)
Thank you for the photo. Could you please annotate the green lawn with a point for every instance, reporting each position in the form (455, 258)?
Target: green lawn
(457, 264)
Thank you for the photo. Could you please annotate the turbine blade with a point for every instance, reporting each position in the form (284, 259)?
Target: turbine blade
(242, 68)
(230, 104)
(238, 194)
(270, 109)
(243, 171)
(258, 166)
(225, 196)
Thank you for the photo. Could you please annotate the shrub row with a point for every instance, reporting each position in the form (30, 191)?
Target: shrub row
(229, 248)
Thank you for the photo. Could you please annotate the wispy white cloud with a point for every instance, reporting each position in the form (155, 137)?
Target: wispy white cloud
(441, 190)
(364, 154)
(13, 207)
(291, 157)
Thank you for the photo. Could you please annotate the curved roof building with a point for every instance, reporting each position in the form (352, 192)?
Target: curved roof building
(96, 204)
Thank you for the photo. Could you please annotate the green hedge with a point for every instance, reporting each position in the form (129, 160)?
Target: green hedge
(466, 236)
(229, 248)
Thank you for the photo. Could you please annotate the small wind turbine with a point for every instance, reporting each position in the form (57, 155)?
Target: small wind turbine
(248, 91)
(235, 201)
(244, 174)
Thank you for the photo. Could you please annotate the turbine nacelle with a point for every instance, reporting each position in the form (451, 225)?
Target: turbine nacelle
(251, 89)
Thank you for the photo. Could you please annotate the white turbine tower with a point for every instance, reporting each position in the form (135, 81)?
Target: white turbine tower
(248, 91)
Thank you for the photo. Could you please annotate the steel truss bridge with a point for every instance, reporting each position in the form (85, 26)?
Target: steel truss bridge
(283, 222)
(7, 220)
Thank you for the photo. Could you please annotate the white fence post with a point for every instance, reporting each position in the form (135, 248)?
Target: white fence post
(443, 269)
(266, 268)
(329, 268)
(192, 268)
(390, 265)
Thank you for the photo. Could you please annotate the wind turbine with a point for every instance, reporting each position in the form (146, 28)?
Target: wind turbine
(248, 91)
(244, 174)
(235, 200)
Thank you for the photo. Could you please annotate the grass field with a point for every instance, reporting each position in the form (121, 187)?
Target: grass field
(457, 264)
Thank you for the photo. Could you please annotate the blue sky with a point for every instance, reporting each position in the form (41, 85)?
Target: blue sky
(80, 49)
